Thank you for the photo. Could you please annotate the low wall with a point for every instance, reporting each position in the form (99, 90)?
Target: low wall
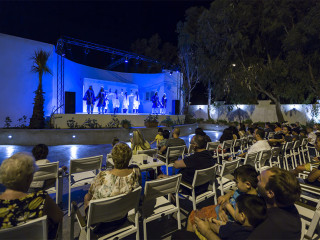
(137, 120)
(31, 137)
(262, 112)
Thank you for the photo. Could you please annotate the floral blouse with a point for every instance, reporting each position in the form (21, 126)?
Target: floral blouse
(105, 184)
(19, 211)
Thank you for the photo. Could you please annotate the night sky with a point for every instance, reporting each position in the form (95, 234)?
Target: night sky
(114, 24)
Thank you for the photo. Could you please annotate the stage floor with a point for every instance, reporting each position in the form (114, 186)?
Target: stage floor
(64, 121)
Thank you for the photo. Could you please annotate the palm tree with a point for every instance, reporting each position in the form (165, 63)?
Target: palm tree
(40, 66)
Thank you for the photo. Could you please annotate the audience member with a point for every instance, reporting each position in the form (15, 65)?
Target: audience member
(159, 137)
(227, 134)
(296, 134)
(286, 130)
(115, 140)
(200, 132)
(120, 180)
(166, 135)
(246, 179)
(138, 142)
(280, 189)
(17, 206)
(172, 142)
(311, 136)
(201, 159)
(250, 212)
(242, 130)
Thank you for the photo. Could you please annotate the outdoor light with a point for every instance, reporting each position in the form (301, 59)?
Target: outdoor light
(74, 136)
(171, 72)
(10, 136)
(126, 60)
(233, 64)
(130, 134)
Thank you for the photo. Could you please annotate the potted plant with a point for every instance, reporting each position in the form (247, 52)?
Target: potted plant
(168, 122)
(151, 121)
(125, 123)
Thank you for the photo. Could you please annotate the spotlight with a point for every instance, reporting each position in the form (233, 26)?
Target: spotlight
(130, 134)
(10, 136)
(171, 72)
(73, 136)
(126, 61)
(233, 65)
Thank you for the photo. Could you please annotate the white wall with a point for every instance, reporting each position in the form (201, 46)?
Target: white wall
(262, 112)
(18, 83)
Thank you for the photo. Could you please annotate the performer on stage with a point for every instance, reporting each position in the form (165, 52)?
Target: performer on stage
(101, 97)
(163, 104)
(136, 102)
(89, 97)
(125, 103)
(115, 102)
(155, 103)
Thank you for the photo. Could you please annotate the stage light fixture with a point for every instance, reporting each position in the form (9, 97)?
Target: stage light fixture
(74, 136)
(10, 136)
(126, 61)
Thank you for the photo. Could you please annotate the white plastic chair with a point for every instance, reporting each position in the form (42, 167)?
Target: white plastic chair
(81, 173)
(203, 176)
(264, 157)
(108, 210)
(49, 171)
(172, 153)
(288, 155)
(213, 146)
(275, 157)
(251, 159)
(226, 146)
(155, 205)
(36, 229)
(296, 153)
(305, 150)
(225, 178)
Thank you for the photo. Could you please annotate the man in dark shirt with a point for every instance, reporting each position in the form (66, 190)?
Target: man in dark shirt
(173, 142)
(280, 189)
(201, 159)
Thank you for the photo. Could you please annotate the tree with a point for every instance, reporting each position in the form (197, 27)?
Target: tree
(40, 61)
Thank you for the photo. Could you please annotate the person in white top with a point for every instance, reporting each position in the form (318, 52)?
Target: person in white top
(311, 136)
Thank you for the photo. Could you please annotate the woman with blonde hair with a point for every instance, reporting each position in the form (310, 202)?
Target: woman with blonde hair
(138, 142)
(16, 205)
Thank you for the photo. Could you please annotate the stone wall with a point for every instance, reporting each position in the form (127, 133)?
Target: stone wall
(262, 112)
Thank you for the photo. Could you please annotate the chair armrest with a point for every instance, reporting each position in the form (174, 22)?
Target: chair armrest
(187, 185)
(303, 175)
(75, 210)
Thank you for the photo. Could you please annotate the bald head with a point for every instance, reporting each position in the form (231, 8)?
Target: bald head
(176, 132)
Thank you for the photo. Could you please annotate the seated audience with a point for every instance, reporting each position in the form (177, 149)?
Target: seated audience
(172, 142)
(280, 189)
(166, 135)
(199, 132)
(246, 179)
(296, 134)
(159, 137)
(242, 130)
(286, 130)
(17, 206)
(138, 142)
(250, 212)
(201, 159)
(268, 127)
(120, 180)
(260, 144)
(227, 134)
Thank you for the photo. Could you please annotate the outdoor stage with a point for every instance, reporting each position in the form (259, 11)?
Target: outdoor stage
(104, 120)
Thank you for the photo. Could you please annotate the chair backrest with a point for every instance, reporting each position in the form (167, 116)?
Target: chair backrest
(229, 167)
(227, 144)
(212, 146)
(204, 175)
(251, 158)
(161, 187)
(85, 164)
(113, 208)
(149, 152)
(36, 229)
(297, 144)
(237, 143)
(304, 142)
(264, 156)
(289, 146)
(46, 171)
(175, 152)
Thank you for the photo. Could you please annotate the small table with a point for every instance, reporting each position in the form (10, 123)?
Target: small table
(138, 160)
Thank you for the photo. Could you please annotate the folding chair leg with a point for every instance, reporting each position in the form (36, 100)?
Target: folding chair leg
(144, 230)
(194, 205)
(69, 201)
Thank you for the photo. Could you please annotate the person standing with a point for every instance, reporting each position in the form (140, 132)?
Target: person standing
(101, 97)
(89, 97)
(163, 104)
(125, 103)
(136, 102)
(155, 103)
(115, 101)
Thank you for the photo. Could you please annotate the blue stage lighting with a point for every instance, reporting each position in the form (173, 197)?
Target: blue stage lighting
(74, 136)
(10, 136)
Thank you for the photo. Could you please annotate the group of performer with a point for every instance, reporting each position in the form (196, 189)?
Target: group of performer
(103, 98)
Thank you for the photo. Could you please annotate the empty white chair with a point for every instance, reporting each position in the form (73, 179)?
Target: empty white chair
(251, 159)
(36, 229)
(287, 152)
(155, 205)
(203, 176)
(81, 173)
(172, 153)
(45, 172)
(108, 210)
(225, 178)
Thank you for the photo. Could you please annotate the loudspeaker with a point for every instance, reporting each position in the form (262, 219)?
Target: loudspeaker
(176, 107)
(70, 102)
